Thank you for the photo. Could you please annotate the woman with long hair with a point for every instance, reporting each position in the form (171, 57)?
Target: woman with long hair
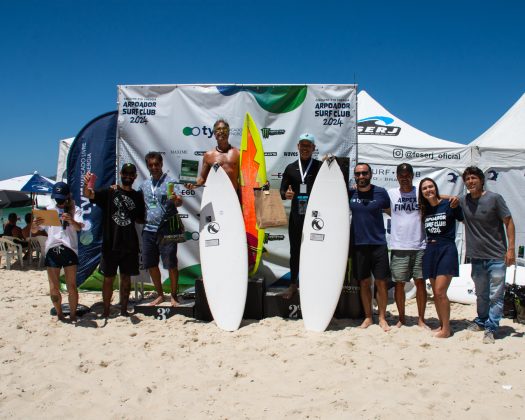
(440, 261)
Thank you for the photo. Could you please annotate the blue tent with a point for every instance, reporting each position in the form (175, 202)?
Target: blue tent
(38, 184)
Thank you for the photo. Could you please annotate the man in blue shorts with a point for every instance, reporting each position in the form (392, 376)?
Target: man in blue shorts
(122, 207)
(156, 198)
(368, 242)
(490, 236)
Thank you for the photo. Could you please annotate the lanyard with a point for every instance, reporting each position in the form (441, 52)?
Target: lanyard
(303, 175)
(159, 182)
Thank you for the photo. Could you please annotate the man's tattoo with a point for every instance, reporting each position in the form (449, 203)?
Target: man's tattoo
(55, 298)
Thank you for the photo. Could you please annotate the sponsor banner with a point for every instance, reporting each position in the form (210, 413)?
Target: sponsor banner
(178, 122)
(425, 157)
(92, 150)
(448, 180)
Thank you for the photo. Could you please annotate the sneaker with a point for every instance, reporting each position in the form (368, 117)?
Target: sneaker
(488, 337)
(472, 326)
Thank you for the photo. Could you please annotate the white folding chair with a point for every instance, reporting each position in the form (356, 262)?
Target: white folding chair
(10, 250)
(37, 247)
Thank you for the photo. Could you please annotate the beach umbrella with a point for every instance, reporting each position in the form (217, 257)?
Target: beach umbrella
(38, 184)
(13, 199)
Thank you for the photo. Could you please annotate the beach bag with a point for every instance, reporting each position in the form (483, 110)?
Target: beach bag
(514, 301)
(171, 229)
(269, 209)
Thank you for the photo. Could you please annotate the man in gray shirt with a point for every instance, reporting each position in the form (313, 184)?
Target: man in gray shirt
(490, 234)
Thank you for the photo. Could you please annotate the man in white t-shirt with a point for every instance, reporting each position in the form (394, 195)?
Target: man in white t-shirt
(407, 243)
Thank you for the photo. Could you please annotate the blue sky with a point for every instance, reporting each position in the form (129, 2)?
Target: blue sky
(450, 68)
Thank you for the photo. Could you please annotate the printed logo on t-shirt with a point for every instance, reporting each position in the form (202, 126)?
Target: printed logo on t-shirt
(124, 206)
(434, 223)
(406, 204)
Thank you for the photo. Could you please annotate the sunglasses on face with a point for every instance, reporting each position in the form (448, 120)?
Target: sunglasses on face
(362, 173)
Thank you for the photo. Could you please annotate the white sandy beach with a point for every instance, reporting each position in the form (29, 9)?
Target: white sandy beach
(140, 367)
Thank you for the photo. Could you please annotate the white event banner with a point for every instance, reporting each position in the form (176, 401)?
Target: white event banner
(177, 121)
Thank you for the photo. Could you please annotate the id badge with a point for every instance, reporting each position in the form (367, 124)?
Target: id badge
(302, 188)
(153, 205)
(302, 203)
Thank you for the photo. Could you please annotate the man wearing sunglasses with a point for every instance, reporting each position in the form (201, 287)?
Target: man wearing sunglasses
(121, 207)
(368, 242)
(223, 153)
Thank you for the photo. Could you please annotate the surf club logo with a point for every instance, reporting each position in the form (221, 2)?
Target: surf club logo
(267, 132)
(492, 175)
(377, 126)
(214, 228)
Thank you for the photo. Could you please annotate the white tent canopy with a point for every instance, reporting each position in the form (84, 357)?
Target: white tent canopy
(500, 153)
(385, 141)
(503, 144)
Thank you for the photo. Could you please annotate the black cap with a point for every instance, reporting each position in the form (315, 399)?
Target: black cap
(60, 191)
(129, 167)
(405, 167)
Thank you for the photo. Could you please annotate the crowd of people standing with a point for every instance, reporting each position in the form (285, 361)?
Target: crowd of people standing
(422, 245)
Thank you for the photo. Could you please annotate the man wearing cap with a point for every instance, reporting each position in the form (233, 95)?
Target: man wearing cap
(223, 153)
(407, 243)
(368, 242)
(62, 248)
(490, 234)
(159, 199)
(121, 208)
(296, 185)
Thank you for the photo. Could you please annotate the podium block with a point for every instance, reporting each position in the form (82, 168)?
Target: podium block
(165, 310)
(254, 308)
(276, 305)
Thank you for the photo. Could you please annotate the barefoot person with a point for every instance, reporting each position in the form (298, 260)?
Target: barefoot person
(407, 243)
(156, 198)
(440, 261)
(121, 208)
(490, 235)
(368, 242)
(296, 185)
(62, 248)
(223, 153)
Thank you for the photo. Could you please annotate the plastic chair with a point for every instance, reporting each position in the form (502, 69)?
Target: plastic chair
(10, 250)
(37, 246)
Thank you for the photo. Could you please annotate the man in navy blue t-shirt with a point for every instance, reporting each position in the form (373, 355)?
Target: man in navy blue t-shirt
(368, 242)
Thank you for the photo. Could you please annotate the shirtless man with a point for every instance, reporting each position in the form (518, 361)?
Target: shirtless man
(224, 154)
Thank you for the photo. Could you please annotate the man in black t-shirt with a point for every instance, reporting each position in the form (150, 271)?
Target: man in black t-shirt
(122, 207)
(296, 185)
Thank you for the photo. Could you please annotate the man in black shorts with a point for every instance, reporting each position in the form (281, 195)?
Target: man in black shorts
(368, 242)
(122, 207)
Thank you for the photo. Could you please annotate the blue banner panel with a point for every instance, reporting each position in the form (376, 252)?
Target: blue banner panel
(92, 150)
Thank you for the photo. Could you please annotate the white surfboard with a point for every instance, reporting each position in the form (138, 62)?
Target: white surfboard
(462, 289)
(324, 247)
(223, 250)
